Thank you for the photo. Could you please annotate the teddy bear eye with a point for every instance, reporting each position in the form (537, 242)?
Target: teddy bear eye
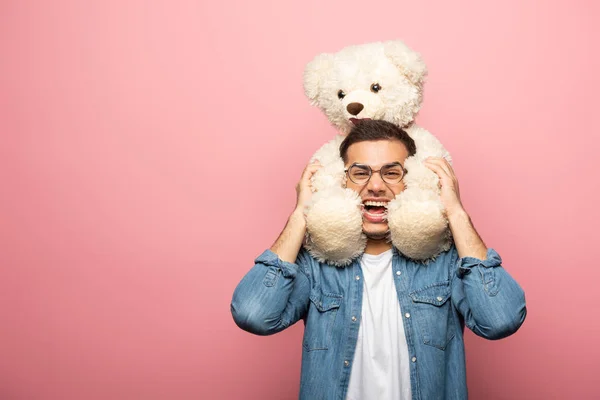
(341, 94)
(375, 88)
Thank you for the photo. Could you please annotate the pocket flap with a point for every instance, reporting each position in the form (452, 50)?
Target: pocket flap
(326, 301)
(436, 294)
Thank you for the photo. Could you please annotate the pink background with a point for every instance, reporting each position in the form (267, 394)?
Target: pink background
(149, 151)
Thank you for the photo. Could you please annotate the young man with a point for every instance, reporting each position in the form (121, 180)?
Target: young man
(385, 327)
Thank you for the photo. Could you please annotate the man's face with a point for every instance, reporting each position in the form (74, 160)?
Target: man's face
(376, 154)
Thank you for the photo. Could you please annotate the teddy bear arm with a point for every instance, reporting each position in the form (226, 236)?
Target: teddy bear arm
(331, 173)
(427, 144)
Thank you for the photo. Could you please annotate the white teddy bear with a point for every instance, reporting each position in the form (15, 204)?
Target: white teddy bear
(373, 81)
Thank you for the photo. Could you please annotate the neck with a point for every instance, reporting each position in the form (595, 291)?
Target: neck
(377, 246)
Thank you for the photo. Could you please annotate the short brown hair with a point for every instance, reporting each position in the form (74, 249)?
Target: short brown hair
(370, 130)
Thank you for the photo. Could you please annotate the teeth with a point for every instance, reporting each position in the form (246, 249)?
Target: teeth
(376, 203)
(382, 216)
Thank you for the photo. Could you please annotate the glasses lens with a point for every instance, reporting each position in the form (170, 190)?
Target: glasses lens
(359, 174)
(392, 173)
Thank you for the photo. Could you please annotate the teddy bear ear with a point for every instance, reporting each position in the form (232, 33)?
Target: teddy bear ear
(409, 61)
(314, 73)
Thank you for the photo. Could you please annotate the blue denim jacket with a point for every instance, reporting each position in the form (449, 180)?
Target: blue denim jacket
(440, 297)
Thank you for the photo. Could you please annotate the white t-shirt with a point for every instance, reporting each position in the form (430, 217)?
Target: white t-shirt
(380, 370)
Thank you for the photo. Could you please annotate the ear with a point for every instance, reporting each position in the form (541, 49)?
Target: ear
(407, 60)
(314, 73)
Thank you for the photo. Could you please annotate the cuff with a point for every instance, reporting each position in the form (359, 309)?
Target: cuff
(270, 259)
(465, 264)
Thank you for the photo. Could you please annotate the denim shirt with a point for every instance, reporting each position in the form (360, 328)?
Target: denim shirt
(438, 299)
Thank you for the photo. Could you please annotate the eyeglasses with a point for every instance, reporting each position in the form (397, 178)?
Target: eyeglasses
(390, 173)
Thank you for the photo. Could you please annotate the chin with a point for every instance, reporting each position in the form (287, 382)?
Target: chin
(373, 231)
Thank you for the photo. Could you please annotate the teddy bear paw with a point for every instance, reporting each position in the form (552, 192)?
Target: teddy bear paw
(334, 226)
(417, 223)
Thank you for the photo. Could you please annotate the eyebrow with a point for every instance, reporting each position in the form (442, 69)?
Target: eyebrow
(398, 163)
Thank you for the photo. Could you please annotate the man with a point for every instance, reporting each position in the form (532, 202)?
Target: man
(385, 327)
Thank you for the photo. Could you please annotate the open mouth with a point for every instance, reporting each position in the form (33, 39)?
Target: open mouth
(375, 211)
(357, 120)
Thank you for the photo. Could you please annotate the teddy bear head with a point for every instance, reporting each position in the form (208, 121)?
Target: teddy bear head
(382, 80)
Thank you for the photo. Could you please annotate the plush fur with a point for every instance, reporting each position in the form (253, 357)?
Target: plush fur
(418, 227)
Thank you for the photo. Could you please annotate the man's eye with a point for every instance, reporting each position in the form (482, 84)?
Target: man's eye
(392, 174)
(360, 173)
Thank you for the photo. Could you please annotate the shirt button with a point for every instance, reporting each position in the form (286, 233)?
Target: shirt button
(439, 298)
(346, 363)
(353, 318)
(407, 315)
(398, 272)
(357, 278)
(414, 359)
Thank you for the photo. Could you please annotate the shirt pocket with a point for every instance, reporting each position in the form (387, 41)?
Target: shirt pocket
(322, 311)
(433, 312)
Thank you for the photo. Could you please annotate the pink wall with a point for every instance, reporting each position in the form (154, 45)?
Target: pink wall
(149, 151)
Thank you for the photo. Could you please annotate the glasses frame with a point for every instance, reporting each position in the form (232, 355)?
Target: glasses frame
(371, 171)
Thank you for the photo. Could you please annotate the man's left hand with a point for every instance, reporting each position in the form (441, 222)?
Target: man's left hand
(449, 184)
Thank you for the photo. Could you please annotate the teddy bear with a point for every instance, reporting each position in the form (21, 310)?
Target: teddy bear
(382, 80)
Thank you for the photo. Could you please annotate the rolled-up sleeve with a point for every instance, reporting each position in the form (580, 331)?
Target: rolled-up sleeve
(490, 300)
(272, 295)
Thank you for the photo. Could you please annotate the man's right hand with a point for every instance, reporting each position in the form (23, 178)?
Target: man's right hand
(304, 187)
(290, 240)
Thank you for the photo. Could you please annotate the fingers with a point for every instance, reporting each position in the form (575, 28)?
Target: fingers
(436, 167)
(304, 188)
(439, 172)
(443, 169)
(310, 170)
(441, 163)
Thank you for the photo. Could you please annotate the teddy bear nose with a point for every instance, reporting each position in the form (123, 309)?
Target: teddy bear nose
(354, 108)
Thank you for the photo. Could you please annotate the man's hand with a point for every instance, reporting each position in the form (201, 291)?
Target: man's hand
(304, 187)
(450, 194)
(290, 240)
(467, 240)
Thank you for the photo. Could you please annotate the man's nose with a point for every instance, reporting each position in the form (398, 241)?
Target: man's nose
(376, 184)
